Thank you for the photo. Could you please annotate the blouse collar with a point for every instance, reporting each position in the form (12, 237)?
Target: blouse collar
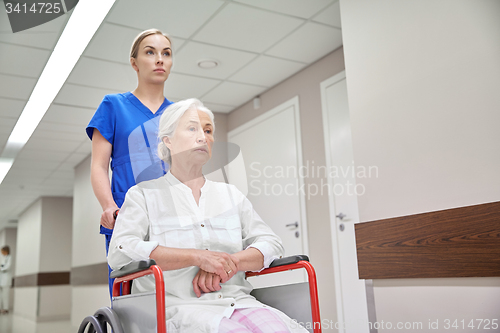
(173, 181)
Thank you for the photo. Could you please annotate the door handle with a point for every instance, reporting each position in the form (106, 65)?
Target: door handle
(296, 225)
(341, 216)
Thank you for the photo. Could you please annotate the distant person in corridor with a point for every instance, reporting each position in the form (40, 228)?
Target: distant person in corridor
(5, 280)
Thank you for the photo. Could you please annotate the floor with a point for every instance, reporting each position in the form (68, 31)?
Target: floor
(10, 323)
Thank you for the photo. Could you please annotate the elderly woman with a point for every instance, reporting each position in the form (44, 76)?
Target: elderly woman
(203, 234)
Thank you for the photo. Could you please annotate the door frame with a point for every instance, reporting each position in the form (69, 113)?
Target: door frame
(293, 102)
(336, 251)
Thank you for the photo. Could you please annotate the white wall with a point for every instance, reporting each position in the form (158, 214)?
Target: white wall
(85, 302)
(423, 80)
(43, 239)
(28, 240)
(26, 302)
(429, 300)
(55, 302)
(55, 251)
(87, 246)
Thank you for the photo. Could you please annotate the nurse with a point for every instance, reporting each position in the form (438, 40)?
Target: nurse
(123, 126)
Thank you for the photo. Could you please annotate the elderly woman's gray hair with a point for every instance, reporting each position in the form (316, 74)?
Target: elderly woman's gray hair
(170, 119)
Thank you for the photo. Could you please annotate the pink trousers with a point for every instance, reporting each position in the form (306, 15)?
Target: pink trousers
(255, 320)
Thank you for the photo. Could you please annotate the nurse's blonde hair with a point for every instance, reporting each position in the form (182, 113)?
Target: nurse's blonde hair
(170, 119)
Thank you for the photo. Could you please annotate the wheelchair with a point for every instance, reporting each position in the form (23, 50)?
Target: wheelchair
(145, 312)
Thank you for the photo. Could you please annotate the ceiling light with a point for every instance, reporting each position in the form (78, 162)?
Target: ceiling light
(208, 64)
(5, 164)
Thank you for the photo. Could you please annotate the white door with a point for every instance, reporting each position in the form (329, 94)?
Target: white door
(271, 151)
(350, 290)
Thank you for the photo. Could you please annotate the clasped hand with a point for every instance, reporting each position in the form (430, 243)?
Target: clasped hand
(215, 268)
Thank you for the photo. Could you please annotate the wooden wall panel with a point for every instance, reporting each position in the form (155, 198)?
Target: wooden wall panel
(42, 279)
(460, 242)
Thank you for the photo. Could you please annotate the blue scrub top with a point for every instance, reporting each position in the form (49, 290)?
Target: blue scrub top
(132, 130)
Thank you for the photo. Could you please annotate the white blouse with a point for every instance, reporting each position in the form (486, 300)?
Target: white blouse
(163, 212)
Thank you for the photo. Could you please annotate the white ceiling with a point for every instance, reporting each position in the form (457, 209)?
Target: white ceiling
(258, 43)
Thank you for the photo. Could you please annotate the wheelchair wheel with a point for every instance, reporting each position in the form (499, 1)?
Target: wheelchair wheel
(98, 323)
(93, 324)
(108, 316)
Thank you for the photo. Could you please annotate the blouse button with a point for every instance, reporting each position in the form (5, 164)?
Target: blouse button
(232, 304)
(202, 225)
(220, 296)
(120, 247)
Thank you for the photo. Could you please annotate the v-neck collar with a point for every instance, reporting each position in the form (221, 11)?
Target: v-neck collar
(143, 108)
(173, 181)
(176, 182)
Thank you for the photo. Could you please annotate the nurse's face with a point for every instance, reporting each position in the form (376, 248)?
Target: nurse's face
(154, 59)
(193, 138)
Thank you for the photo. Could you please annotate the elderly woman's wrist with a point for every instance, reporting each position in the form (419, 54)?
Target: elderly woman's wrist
(196, 257)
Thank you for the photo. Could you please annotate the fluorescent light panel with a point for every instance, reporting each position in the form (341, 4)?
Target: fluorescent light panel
(5, 164)
(81, 27)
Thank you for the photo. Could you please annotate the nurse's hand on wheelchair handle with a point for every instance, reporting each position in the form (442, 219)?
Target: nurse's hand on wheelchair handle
(107, 219)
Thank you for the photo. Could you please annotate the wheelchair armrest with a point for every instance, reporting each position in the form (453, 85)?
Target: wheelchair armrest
(289, 260)
(133, 267)
(285, 264)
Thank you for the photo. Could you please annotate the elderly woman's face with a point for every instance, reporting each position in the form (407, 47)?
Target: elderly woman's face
(193, 138)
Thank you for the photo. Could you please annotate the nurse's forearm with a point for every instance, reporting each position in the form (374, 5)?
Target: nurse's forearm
(101, 187)
(99, 171)
(250, 259)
